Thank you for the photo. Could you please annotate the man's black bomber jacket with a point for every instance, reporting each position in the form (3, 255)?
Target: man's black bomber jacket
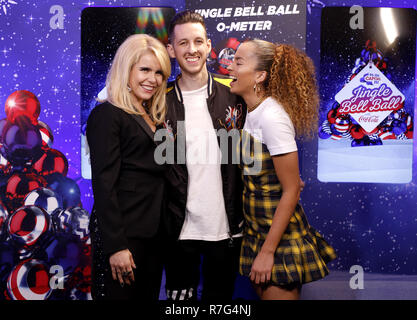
(223, 107)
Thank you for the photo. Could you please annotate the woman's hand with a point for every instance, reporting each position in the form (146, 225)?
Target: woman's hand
(121, 264)
(262, 268)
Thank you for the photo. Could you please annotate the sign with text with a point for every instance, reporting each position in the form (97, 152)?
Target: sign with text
(231, 22)
(369, 98)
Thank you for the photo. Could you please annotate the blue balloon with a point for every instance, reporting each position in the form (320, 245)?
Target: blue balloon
(357, 143)
(323, 134)
(365, 141)
(376, 142)
(398, 127)
(64, 250)
(44, 198)
(66, 188)
(53, 180)
(22, 142)
(73, 220)
(8, 259)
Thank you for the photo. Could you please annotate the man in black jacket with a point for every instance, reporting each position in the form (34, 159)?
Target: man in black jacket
(204, 209)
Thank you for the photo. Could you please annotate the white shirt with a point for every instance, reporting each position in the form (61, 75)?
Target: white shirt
(205, 217)
(271, 124)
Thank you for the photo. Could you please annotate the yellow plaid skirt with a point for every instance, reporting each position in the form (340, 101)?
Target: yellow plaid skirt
(300, 257)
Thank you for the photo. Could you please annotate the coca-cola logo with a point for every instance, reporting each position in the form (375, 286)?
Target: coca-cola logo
(368, 118)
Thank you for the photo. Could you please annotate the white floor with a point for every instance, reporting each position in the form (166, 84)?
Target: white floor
(336, 286)
(388, 163)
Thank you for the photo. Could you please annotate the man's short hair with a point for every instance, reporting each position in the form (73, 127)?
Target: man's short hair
(186, 16)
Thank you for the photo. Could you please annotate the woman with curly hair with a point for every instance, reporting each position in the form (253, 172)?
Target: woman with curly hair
(280, 250)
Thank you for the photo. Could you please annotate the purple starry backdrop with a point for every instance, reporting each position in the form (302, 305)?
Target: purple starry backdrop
(371, 225)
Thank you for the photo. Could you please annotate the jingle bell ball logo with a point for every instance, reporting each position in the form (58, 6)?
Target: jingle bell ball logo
(369, 98)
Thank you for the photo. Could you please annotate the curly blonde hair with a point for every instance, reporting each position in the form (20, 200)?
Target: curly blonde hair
(291, 81)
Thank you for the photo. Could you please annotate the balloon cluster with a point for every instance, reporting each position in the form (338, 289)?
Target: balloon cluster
(370, 53)
(398, 125)
(44, 237)
(221, 57)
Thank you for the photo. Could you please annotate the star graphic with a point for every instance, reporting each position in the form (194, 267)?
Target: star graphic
(5, 4)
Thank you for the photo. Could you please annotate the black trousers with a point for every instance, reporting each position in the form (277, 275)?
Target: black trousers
(148, 273)
(220, 262)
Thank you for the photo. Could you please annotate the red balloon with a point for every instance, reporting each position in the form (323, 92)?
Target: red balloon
(28, 225)
(29, 280)
(19, 185)
(81, 277)
(331, 116)
(52, 161)
(22, 102)
(356, 132)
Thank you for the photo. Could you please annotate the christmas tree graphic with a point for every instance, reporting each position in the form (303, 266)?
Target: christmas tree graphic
(44, 238)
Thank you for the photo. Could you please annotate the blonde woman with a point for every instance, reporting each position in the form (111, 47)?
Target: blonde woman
(280, 250)
(128, 184)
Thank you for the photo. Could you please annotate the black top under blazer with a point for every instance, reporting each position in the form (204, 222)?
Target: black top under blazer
(128, 184)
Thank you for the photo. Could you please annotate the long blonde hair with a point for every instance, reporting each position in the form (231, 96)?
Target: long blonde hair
(127, 55)
(291, 81)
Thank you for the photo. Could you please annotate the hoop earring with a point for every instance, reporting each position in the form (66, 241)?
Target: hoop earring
(129, 89)
(256, 88)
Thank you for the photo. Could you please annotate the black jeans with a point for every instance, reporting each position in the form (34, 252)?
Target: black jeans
(219, 269)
